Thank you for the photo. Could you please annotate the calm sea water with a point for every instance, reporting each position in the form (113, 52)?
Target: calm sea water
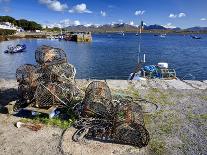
(114, 56)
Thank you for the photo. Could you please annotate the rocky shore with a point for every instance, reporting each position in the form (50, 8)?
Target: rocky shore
(178, 126)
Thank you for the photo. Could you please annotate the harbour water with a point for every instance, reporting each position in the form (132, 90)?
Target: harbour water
(113, 56)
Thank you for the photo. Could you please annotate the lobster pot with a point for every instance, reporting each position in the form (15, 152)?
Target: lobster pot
(63, 72)
(27, 77)
(47, 55)
(123, 112)
(53, 94)
(45, 75)
(131, 134)
(98, 99)
(26, 74)
(137, 114)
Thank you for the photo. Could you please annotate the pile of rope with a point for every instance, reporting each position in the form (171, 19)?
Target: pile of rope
(103, 118)
(50, 82)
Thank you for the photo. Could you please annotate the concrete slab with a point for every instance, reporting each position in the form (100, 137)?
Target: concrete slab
(118, 84)
(178, 84)
(196, 84)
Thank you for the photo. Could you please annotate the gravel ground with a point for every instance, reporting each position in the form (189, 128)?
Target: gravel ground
(177, 127)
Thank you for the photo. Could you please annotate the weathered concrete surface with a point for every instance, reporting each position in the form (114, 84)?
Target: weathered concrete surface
(177, 127)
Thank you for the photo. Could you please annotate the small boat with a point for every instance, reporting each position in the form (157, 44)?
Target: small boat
(137, 34)
(196, 37)
(15, 49)
(159, 71)
(156, 35)
(163, 35)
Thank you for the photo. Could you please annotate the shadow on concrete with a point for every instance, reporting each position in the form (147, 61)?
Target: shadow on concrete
(7, 96)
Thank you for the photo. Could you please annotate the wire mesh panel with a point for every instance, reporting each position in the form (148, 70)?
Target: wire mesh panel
(47, 55)
(53, 94)
(98, 99)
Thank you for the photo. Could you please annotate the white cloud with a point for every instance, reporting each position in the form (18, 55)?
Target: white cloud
(169, 26)
(172, 15)
(103, 13)
(63, 23)
(80, 8)
(54, 5)
(180, 15)
(203, 19)
(76, 22)
(131, 23)
(139, 12)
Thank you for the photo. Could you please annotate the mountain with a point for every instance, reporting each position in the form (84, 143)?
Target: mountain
(132, 28)
(155, 27)
(197, 28)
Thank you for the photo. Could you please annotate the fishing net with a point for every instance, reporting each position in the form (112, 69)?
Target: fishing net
(47, 55)
(53, 94)
(27, 77)
(98, 100)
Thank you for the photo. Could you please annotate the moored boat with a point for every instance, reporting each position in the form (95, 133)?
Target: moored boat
(195, 37)
(159, 71)
(16, 49)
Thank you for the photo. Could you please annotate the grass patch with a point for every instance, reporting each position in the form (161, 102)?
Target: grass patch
(63, 124)
(198, 116)
(157, 147)
(204, 98)
(159, 97)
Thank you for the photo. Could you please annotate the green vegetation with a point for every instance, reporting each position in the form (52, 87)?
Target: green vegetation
(159, 97)
(198, 116)
(157, 147)
(7, 32)
(204, 98)
(25, 24)
(63, 124)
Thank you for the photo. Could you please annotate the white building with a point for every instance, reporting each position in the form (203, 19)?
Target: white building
(9, 26)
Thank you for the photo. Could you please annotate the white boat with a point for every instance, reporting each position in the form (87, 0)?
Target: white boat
(163, 35)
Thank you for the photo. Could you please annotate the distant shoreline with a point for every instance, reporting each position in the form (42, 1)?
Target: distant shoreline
(33, 35)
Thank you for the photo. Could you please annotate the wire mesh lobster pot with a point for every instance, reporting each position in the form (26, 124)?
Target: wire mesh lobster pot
(132, 134)
(47, 55)
(128, 111)
(129, 124)
(27, 76)
(98, 100)
(53, 94)
(63, 72)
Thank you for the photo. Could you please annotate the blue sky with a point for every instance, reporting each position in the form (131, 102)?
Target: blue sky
(171, 13)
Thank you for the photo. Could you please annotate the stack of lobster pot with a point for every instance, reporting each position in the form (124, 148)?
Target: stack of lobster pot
(50, 82)
(118, 120)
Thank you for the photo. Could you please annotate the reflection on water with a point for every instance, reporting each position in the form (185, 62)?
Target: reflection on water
(115, 56)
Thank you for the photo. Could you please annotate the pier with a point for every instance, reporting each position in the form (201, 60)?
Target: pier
(181, 112)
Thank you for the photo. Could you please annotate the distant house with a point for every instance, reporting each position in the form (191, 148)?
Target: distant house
(38, 31)
(9, 26)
